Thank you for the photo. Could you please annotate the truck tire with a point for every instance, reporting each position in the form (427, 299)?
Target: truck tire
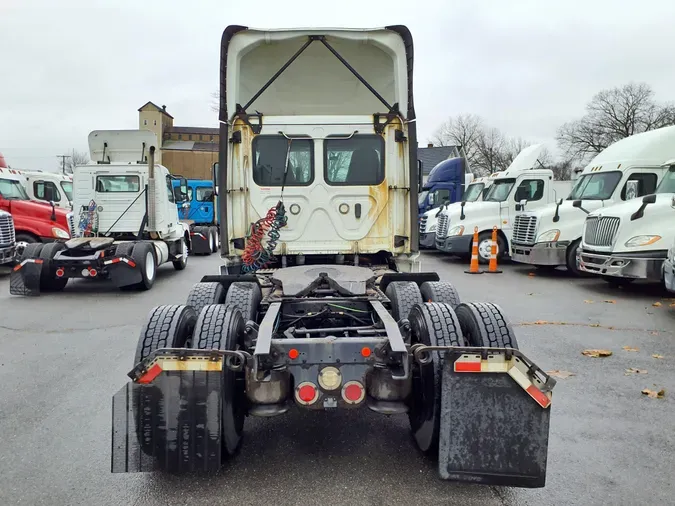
(31, 250)
(168, 326)
(221, 327)
(403, 296)
(571, 258)
(432, 324)
(246, 297)
(205, 294)
(143, 254)
(485, 247)
(181, 263)
(440, 291)
(23, 240)
(484, 324)
(48, 281)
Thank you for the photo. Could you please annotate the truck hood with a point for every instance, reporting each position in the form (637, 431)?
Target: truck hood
(40, 210)
(472, 210)
(570, 219)
(656, 222)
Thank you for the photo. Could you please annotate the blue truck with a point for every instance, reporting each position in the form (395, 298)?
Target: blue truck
(445, 184)
(198, 212)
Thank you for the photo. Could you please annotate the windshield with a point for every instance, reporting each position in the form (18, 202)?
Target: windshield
(500, 190)
(421, 197)
(13, 190)
(599, 186)
(68, 188)
(473, 191)
(667, 184)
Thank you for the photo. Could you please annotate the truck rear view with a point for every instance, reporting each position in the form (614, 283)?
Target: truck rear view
(321, 305)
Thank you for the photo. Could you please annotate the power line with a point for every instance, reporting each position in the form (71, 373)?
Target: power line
(63, 161)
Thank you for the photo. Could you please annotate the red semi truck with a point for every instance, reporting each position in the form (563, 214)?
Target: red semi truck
(34, 222)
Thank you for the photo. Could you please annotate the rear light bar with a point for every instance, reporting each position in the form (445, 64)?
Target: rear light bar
(116, 260)
(514, 367)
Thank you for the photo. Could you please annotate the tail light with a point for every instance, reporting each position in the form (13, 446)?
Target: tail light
(306, 393)
(353, 392)
(60, 272)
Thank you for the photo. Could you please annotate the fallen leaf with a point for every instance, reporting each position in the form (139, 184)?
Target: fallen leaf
(633, 370)
(656, 304)
(596, 353)
(630, 348)
(560, 374)
(533, 294)
(541, 322)
(654, 394)
(653, 333)
(594, 325)
(531, 274)
(589, 302)
(609, 301)
(656, 355)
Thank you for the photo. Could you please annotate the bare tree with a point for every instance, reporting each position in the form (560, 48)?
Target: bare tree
(612, 115)
(510, 149)
(464, 130)
(490, 148)
(76, 159)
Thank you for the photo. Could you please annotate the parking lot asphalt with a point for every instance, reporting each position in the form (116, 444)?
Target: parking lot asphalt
(63, 356)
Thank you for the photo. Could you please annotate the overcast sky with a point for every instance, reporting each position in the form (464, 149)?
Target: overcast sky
(69, 67)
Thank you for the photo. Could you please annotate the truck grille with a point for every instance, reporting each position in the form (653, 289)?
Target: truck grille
(601, 231)
(71, 224)
(524, 229)
(7, 234)
(442, 227)
(423, 224)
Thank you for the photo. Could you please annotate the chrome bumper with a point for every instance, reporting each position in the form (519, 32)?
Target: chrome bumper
(542, 253)
(456, 244)
(7, 254)
(669, 275)
(622, 266)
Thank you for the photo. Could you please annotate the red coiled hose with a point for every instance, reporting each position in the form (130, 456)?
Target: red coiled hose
(254, 248)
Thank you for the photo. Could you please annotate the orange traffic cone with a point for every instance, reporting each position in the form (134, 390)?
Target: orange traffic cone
(492, 268)
(473, 268)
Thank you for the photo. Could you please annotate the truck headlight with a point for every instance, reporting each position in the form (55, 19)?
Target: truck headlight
(642, 240)
(60, 233)
(549, 236)
(432, 228)
(458, 230)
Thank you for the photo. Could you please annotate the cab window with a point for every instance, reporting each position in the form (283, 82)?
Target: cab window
(46, 190)
(118, 184)
(356, 161)
(646, 184)
(270, 153)
(441, 196)
(204, 194)
(530, 190)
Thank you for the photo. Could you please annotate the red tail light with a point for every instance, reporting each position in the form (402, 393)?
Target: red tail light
(306, 393)
(353, 392)
(60, 272)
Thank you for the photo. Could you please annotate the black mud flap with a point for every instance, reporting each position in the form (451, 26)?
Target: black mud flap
(172, 424)
(200, 244)
(25, 277)
(494, 425)
(122, 274)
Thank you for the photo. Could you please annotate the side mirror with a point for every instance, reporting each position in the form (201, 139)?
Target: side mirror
(214, 177)
(560, 201)
(576, 203)
(53, 216)
(649, 199)
(631, 189)
(432, 199)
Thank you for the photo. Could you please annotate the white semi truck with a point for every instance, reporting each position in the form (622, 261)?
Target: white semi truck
(550, 237)
(630, 241)
(524, 185)
(124, 222)
(475, 192)
(46, 186)
(321, 305)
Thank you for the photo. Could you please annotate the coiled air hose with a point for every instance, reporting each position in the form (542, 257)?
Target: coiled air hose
(256, 255)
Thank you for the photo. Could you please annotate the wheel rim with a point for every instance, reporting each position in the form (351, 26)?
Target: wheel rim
(485, 249)
(210, 240)
(184, 252)
(150, 265)
(20, 246)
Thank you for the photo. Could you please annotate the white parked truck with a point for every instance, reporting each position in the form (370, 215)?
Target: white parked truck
(524, 185)
(475, 192)
(630, 241)
(124, 222)
(550, 236)
(46, 186)
(321, 306)
(7, 238)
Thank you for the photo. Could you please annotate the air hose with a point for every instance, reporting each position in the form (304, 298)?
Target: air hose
(88, 223)
(256, 255)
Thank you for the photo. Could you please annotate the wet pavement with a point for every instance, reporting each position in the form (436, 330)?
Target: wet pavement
(63, 356)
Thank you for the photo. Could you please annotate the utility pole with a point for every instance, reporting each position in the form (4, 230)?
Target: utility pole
(63, 161)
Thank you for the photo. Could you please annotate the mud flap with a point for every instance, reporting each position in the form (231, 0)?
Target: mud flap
(25, 277)
(172, 424)
(494, 427)
(122, 274)
(200, 244)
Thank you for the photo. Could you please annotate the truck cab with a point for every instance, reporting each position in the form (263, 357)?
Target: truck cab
(475, 191)
(338, 154)
(522, 186)
(34, 222)
(200, 201)
(630, 240)
(446, 183)
(50, 187)
(551, 236)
